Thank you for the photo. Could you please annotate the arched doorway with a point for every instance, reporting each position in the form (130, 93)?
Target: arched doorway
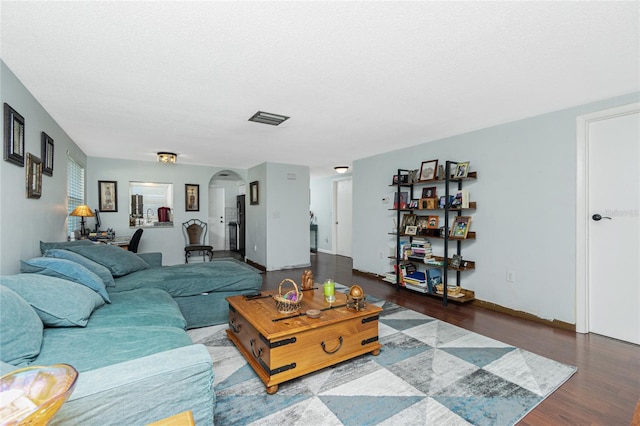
(226, 188)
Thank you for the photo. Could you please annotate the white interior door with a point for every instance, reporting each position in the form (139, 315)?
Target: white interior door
(343, 215)
(613, 148)
(217, 228)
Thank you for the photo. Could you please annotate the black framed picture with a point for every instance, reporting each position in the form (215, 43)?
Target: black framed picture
(34, 176)
(13, 136)
(254, 196)
(108, 195)
(47, 154)
(192, 197)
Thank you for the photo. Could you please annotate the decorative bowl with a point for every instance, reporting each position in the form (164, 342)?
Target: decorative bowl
(32, 395)
(314, 313)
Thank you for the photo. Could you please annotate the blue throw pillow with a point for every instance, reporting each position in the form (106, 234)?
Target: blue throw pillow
(58, 302)
(94, 267)
(65, 269)
(120, 262)
(20, 329)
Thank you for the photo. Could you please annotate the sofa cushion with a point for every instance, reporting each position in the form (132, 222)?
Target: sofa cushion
(20, 328)
(141, 307)
(120, 262)
(58, 302)
(94, 267)
(90, 348)
(63, 244)
(65, 269)
(193, 279)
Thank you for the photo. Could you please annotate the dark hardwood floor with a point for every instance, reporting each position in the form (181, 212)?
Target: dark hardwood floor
(604, 391)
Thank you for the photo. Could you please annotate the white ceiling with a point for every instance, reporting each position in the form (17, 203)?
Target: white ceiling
(128, 79)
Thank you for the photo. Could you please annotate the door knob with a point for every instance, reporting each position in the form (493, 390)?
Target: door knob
(597, 217)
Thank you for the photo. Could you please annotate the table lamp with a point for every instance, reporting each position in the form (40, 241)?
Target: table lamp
(82, 211)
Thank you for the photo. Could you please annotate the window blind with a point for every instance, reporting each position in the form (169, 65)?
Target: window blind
(75, 192)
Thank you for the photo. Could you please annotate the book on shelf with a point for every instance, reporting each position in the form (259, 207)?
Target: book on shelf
(416, 278)
(461, 199)
(434, 277)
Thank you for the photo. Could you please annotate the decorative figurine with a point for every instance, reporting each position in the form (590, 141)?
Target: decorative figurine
(307, 280)
(356, 298)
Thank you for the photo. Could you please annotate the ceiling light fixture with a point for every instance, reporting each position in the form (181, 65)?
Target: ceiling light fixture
(341, 169)
(268, 118)
(167, 157)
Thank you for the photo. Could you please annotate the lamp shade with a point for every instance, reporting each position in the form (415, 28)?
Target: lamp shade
(82, 211)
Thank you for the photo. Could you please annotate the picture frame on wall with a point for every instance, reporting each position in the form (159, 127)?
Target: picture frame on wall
(108, 195)
(34, 176)
(192, 197)
(13, 136)
(254, 195)
(47, 154)
(428, 170)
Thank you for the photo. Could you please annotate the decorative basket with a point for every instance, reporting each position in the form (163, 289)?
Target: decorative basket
(290, 301)
(451, 291)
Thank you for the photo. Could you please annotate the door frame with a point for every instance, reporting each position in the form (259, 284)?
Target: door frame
(582, 206)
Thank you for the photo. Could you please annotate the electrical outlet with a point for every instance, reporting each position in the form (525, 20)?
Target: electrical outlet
(511, 276)
(255, 248)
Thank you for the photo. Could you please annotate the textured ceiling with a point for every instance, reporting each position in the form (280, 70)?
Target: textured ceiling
(128, 79)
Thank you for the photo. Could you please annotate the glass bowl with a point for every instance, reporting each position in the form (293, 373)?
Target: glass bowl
(32, 395)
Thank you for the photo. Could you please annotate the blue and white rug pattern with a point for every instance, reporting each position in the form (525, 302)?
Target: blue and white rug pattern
(428, 373)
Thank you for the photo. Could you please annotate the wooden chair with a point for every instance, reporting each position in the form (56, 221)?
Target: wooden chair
(195, 233)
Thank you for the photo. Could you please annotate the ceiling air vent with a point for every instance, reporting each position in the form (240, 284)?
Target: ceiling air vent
(268, 118)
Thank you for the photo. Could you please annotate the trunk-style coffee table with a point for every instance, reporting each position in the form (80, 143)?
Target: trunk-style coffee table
(281, 347)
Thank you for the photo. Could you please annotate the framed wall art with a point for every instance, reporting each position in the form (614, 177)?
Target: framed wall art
(428, 170)
(254, 196)
(13, 136)
(34, 176)
(47, 154)
(108, 195)
(192, 197)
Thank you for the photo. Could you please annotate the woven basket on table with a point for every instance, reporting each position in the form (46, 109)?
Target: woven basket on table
(290, 301)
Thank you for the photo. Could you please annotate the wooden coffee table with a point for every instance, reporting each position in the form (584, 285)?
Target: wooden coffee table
(281, 347)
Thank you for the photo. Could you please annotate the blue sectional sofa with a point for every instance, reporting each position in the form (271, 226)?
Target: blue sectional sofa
(120, 320)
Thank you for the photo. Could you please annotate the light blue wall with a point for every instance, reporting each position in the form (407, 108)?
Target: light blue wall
(256, 230)
(526, 191)
(25, 222)
(277, 228)
(287, 216)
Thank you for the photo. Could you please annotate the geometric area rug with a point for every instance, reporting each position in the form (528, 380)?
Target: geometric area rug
(428, 372)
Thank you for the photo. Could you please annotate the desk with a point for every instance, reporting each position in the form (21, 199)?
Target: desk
(120, 242)
(314, 228)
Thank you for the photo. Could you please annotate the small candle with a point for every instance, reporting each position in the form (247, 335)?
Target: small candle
(329, 291)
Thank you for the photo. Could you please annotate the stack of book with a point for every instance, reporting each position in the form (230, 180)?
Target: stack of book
(420, 250)
(417, 278)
